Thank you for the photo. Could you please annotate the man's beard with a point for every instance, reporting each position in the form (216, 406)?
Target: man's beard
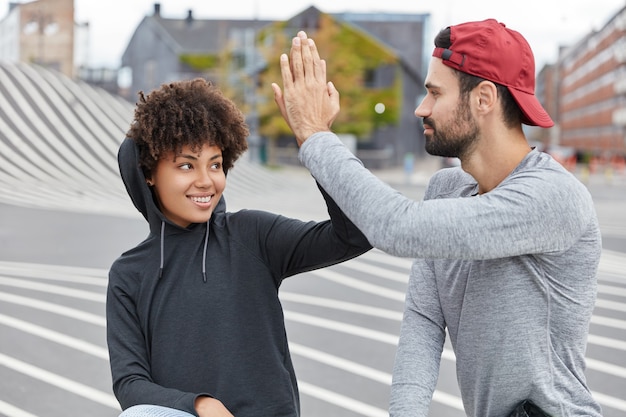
(457, 137)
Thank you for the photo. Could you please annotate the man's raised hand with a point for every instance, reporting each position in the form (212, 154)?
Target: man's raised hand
(308, 103)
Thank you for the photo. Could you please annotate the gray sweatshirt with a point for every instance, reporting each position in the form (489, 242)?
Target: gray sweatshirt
(510, 273)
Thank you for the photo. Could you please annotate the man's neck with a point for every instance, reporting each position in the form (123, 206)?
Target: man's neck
(495, 157)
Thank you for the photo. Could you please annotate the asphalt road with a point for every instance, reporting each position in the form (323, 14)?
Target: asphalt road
(342, 321)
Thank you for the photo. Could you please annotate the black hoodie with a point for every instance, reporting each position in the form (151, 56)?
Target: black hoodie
(195, 311)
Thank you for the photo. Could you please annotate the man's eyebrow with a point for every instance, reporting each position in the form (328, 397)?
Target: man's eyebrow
(430, 85)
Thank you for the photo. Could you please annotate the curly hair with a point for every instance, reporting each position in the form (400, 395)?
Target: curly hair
(190, 112)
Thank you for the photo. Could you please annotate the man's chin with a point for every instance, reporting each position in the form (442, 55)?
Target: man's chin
(434, 151)
(438, 152)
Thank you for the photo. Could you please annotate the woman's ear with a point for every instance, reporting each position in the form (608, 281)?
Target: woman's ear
(149, 182)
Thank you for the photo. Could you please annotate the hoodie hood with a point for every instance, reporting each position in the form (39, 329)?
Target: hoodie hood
(139, 191)
(143, 199)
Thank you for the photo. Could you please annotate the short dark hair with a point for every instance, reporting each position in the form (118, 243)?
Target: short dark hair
(190, 112)
(511, 112)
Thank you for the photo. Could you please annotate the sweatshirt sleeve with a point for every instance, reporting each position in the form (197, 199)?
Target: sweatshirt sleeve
(293, 246)
(517, 213)
(129, 360)
(418, 356)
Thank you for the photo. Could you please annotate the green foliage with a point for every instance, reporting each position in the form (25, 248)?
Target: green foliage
(200, 62)
(351, 54)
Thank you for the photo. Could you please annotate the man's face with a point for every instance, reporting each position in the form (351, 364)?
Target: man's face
(449, 125)
(189, 185)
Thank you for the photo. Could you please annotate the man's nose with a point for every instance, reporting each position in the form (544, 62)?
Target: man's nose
(423, 109)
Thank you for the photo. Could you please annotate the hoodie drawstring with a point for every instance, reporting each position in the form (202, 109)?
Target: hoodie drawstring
(206, 244)
(162, 248)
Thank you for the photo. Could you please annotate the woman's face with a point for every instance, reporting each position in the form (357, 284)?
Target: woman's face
(189, 185)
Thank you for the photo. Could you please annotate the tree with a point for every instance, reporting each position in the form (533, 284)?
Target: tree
(353, 57)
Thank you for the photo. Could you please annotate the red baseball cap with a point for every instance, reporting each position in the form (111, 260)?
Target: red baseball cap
(490, 50)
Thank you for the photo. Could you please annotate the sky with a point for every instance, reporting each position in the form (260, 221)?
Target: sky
(546, 24)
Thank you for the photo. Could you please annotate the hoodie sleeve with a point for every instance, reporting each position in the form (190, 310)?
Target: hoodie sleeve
(129, 359)
(290, 246)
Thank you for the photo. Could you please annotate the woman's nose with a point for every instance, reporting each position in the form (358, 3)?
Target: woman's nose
(203, 180)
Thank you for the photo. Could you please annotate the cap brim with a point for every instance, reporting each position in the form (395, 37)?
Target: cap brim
(533, 111)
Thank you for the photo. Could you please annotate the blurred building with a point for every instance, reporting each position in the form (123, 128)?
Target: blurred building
(39, 32)
(164, 49)
(388, 82)
(405, 35)
(589, 78)
(547, 90)
(592, 74)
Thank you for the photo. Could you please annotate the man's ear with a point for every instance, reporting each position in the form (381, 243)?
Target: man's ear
(486, 96)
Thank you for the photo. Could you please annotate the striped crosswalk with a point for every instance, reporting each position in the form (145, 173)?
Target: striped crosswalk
(30, 290)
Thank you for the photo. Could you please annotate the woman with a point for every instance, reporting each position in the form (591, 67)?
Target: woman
(194, 322)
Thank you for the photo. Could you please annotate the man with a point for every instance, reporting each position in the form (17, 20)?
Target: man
(508, 245)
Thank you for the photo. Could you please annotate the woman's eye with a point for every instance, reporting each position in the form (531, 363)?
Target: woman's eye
(216, 165)
(185, 166)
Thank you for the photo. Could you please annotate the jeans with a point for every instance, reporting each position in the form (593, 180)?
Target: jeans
(146, 410)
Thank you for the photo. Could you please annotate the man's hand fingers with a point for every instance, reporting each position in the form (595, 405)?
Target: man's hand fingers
(307, 103)
(310, 60)
(307, 56)
(332, 91)
(280, 101)
(295, 62)
(305, 60)
(334, 101)
(285, 71)
(318, 65)
(278, 98)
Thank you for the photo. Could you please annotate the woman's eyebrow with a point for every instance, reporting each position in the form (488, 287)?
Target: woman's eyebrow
(195, 158)
(186, 156)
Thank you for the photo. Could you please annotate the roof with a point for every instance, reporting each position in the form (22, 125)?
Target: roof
(67, 134)
(195, 35)
(59, 140)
